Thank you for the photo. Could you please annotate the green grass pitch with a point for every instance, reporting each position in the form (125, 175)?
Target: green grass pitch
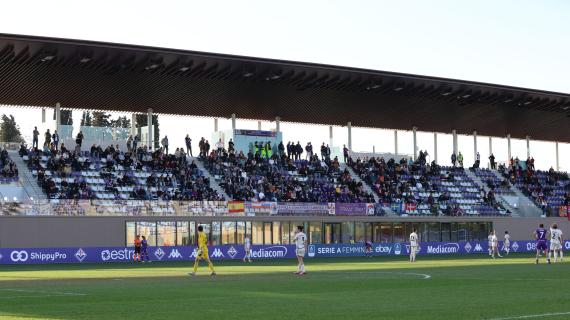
(455, 287)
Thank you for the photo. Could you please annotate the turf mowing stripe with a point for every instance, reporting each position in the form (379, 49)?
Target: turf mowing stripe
(530, 316)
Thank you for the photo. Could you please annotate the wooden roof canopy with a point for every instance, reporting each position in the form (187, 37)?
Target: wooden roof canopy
(41, 71)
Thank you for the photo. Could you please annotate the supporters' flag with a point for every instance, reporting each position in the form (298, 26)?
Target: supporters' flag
(411, 207)
(236, 207)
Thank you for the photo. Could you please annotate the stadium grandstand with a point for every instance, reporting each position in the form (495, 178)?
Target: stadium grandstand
(255, 183)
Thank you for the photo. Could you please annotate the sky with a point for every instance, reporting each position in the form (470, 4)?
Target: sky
(518, 43)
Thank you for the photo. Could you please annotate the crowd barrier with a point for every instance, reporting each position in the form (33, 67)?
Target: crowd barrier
(228, 252)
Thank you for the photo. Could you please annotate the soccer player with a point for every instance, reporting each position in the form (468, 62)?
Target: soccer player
(300, 248)
(138, 244)
(490, 243)
(495, 245)
(368, 249)
(247, 249)
(144, 250)
(202, 252)
(540, 236)
(507, 243)
(556, 242)
(414, 244)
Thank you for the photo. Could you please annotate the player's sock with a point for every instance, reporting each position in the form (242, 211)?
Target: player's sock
(303, 268)
(555, 256)
(561, 255)
(196, 265)
(211, 265)
(548, 255)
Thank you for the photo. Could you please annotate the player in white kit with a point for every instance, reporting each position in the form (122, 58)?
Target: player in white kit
(414, 245)
(300, 249)
(490, 243)
(247, 249)
(507, 243)
(556, 242)
(495, 245)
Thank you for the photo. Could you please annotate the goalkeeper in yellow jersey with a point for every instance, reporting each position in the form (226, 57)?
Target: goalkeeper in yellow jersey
(202, 252)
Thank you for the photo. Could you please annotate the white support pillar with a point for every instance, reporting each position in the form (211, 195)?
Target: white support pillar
(435, 147)
(490, 146)
(331, 136)
(233, 121)
(374, 150)
(150, 125)
(216, 125)
(57, 116)
(454, 134)
(396, 142)
(277, 124)
(557, 157)
(415, 142)
(508, 147)
(528, 147)
(259, 125)
(475, 144)
(133, 124)
(349, 127)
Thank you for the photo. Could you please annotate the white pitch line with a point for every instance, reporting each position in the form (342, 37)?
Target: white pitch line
(422, 275)
(46, 292)
(531, 316)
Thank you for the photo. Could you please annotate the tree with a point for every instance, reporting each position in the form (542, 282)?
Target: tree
(66, 117)
(9, 130)
(86, 119)
(101, 119)
(142, 122)
(121, 122)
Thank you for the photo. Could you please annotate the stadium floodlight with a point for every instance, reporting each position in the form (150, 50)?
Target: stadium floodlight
(184, 69)
(48, 57)
(373, 86)
(84, 59)
(247, 74)
(447, 92)
(398, 89)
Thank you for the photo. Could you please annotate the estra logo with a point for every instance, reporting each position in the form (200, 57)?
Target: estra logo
(117, 255)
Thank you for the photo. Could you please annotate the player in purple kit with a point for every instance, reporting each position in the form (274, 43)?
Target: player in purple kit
(541, 243)
(144, 252)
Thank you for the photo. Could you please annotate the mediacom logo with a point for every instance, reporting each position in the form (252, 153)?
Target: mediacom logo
(443, 248)
(117, 255)
(270, 252)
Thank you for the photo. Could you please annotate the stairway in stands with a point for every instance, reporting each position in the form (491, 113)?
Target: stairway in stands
(29, 182)
(527, 207)
(213, 182)
(514, 211)
(366, 186)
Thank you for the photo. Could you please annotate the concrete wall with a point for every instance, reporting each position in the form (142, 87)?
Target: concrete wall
(52, 231)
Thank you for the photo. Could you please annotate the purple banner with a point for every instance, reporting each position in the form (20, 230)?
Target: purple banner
(354, 209)
(304, 207)
(126, 254)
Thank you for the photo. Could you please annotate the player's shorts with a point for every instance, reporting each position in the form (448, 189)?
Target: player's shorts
(137, 250)
(413, 248)
(202, 254)
(541, 245)
(555, 245)
(490, 244)
(247, 250)
(300, 252)
(507, 244)
(494, 245)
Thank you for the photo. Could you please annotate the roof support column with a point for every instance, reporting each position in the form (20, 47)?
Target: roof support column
(528, 146)
(475, 145)
(490, 146)
(435, 147)
(277, 124)
(415, 142)
(509, 147)
(233, 121)
(349, 127)
(133, 124)
(396, 142)
(259, 125)
(57, 116)
(331, 136)
(455, 147)
(150, 127)
(557, 157)
(215, 124)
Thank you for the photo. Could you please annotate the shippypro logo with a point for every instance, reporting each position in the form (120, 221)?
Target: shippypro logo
(270, 252)
(515, 246)
(19, 256)
(447, 248)
(217, 253)
(468, 247)
(232, 252)
(80, 255)
(312, 251)
(566, 246)
(175, 254)
(159, 253)
(397, 249)
(478, 248)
